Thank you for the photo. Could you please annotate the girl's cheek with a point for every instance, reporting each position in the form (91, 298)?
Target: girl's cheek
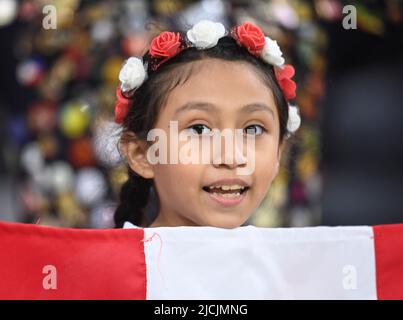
(266, 162)
(266, 147)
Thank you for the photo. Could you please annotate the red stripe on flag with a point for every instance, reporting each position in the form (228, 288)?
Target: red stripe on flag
(39, 262)
(389, 261)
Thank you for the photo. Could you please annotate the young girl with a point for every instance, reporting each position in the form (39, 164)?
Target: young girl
(206, 79)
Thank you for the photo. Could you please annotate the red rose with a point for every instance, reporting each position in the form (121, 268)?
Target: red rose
(287, 85)
(165, 45)
(121, 106)
(251, 37)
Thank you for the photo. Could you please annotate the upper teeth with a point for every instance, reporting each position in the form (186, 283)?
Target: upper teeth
(231, 187)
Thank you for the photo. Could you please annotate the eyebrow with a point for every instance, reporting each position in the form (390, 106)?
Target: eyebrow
(209, 107)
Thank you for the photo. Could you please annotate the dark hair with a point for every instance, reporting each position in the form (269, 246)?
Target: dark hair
(151, 96)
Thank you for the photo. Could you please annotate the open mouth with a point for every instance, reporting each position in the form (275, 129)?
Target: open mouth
(226, 191)
(227, 194)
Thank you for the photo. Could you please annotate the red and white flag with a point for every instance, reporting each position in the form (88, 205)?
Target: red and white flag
(39, 262)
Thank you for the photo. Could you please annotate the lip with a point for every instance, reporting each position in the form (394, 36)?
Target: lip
(221, 182)
(224, 201)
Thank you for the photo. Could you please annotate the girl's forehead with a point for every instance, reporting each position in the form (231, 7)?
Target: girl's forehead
(221, 82)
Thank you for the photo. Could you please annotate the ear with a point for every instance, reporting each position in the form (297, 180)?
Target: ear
(135, 151)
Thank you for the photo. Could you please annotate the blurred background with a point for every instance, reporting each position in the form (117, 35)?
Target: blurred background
(59, 164)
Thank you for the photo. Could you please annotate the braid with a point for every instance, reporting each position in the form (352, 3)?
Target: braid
(133, 199)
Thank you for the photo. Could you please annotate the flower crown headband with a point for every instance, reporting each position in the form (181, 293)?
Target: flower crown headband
(205, 35)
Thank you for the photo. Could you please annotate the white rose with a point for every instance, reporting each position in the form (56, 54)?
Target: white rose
(205, 34)
(294, 120)
(271, 53)
(132, 74)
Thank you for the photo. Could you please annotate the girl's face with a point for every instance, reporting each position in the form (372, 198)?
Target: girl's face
(229, 95)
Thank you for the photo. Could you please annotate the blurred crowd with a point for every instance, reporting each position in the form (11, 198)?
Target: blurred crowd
(60, 164)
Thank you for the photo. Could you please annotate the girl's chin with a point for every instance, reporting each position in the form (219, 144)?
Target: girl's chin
(226, 224)
(225, 220)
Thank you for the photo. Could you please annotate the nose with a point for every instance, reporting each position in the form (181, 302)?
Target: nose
(228, 149)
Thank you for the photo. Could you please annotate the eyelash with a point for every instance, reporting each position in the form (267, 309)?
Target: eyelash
(197, 125)
(263, 129)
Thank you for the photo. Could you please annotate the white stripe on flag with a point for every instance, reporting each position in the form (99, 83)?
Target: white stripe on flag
(260, 263)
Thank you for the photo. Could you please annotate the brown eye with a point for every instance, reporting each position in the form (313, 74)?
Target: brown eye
(255, 129)
(200, 129)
